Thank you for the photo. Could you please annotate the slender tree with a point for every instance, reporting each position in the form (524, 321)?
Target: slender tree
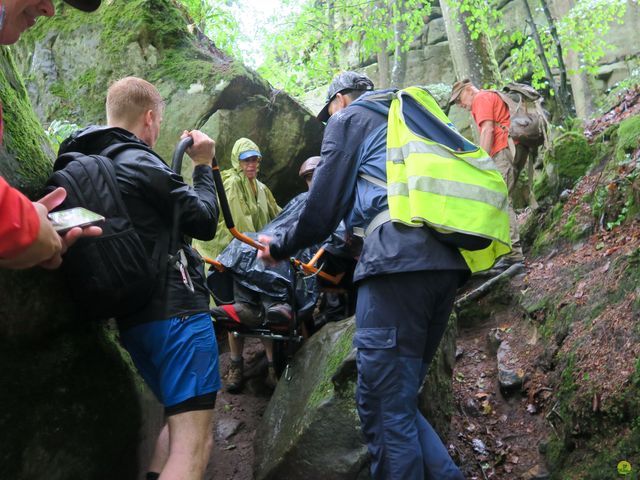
(469, 43)
(367, 29)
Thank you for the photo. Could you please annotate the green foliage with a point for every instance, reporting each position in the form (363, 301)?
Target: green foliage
(482, 17)
(525, 61)
(585, 27)
(311, 43)
(582, 30)
(58, 131)
(217, 20)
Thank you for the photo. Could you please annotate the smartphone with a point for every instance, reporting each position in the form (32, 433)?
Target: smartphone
(65, 220)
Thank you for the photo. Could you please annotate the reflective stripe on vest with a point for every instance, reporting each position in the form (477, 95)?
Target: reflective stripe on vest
(453, 191)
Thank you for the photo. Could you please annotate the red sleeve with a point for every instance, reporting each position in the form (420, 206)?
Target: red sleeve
(19, 222)
(484, 107)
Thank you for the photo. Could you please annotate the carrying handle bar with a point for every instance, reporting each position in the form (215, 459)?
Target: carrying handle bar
(178, 154)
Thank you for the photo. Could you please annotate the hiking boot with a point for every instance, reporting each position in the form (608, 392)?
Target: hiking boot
(505, 262)
(279, 313)
(272, 379)
(233, 381)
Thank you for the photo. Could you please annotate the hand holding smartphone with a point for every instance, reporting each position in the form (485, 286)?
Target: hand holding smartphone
(65, 220)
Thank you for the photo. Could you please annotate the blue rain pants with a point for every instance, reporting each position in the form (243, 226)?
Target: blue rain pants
(400, 320)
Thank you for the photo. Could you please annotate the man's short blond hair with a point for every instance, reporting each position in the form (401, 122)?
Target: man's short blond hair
(129, 98)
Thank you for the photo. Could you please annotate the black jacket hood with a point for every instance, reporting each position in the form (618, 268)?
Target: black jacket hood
(94, 139)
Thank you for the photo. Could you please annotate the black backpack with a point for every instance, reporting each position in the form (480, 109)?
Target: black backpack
(110, 275)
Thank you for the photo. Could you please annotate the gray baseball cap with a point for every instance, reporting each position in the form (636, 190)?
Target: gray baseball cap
(344, 81)
(84, 5)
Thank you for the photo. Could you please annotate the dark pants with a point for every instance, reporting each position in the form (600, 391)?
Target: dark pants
(400, 320)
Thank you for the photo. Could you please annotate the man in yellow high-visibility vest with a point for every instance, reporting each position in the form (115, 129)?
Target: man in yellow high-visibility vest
(406, 281)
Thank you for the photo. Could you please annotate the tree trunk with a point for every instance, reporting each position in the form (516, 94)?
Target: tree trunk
(472, 58)
(583, 95)
(383, 66)
(384, 69)
(331, 21)
(563, 111)
(399, 69)
(563, 87)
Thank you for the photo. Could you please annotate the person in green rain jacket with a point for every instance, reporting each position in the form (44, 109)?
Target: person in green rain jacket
(251, 202)
(252, 206)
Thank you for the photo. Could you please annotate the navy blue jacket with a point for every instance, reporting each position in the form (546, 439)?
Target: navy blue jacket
(391, 248)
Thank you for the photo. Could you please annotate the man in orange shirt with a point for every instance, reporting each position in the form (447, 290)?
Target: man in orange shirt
(492, 117)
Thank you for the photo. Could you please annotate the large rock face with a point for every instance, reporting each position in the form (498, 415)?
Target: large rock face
(71, 59)
(71, 405)
(311, 427)
(429, 58)
(68, 400)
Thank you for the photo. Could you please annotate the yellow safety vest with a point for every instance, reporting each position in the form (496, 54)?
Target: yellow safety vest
(451, 191)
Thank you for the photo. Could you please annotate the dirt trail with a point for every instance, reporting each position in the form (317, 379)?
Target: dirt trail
(237, 416)
(495, 435)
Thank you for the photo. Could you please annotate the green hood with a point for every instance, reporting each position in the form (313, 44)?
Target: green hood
(251, 210)
(241, 146)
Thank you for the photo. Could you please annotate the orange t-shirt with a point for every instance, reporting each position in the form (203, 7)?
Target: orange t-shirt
(488, 105)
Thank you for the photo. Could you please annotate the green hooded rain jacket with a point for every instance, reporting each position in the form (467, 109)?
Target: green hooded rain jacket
(250, 211)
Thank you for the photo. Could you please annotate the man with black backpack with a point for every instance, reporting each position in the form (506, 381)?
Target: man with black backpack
(406, 278)
(163, 308)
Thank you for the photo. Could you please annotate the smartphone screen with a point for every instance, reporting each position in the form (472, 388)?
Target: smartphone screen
(65, 220)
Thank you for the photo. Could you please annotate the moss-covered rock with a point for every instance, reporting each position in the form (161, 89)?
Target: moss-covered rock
(69, 407)
(68, 400)
(311, 427)
(25, 155)
(202, 87)
(628, 138)
(567, 160)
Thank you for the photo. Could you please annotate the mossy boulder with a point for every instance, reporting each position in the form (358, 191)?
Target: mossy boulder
(202, 87)
(25, 154)
(68, 399)
(628, 138)
(311, 427)
(569, 157)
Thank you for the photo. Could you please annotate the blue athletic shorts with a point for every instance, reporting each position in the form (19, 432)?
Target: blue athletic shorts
(177, 358)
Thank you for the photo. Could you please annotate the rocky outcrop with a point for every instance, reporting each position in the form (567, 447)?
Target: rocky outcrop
(72, 405)
(71, 59)
(311, 427)
(429, 59)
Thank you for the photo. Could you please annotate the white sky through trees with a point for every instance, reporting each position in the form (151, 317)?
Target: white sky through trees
(255, 17)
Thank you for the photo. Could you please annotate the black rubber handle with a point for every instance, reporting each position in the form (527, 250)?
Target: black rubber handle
(222, 196)
(178, 154)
